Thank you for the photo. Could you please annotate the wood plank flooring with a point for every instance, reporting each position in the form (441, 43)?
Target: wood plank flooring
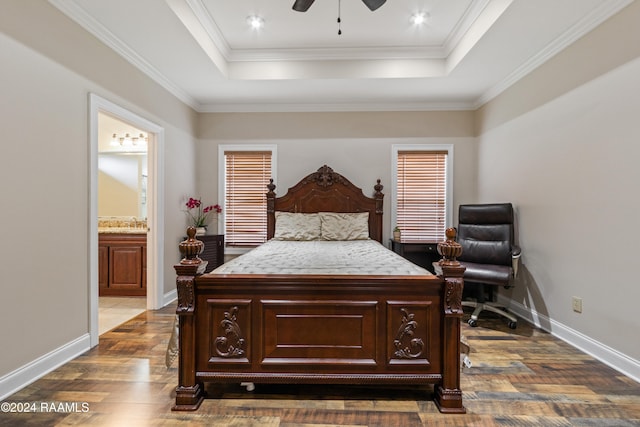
(522, 377)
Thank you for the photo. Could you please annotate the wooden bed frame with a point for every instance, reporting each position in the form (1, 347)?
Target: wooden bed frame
(296, 329)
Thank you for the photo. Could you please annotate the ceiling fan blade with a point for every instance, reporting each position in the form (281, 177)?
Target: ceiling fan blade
(373, 4)
(302, 5)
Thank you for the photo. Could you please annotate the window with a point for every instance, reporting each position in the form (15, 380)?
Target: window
(422, 200)
(246, 173)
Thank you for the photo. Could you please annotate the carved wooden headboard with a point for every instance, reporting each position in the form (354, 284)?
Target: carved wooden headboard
(326, 191)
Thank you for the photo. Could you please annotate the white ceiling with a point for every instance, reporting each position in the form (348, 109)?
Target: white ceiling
(205, 53)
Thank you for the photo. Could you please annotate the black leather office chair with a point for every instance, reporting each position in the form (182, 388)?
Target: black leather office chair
(489, 254)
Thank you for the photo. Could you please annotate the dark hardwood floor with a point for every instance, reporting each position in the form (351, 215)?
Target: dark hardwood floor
(522, 377)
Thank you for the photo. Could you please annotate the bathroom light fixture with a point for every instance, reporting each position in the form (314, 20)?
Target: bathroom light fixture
(128, 141)
(256, 22)
(419, 18)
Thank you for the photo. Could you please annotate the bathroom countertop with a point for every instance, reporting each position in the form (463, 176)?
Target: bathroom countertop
(121, 230)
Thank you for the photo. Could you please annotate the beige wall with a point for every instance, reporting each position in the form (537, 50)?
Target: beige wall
(301, 126)
(569, 162)
(49, 67)
(357, 145)
(613, 43)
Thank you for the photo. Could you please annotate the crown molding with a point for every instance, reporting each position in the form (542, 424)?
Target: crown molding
(274, 107)
(209, 25)
(463, 25)
(86, 21)
(582, 27)
(345, 53)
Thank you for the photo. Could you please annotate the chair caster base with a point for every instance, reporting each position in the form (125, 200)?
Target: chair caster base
(513, 325)
(472, 322)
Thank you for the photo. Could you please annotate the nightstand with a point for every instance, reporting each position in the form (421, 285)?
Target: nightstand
(213, 250)
(419, 252)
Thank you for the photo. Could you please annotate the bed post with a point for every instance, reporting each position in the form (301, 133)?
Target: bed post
(448, 393)
(189, 392)
(377, 221)
(271, 209)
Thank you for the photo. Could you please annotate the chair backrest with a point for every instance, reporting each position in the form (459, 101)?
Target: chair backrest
(486, 233)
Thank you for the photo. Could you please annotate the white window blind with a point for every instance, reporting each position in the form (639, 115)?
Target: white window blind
(421, 194)
(247, 174)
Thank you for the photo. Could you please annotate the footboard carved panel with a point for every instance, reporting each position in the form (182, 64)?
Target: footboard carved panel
(408, 347)
(413, 328)
(229, 339)
(319, 333)
(232, 343)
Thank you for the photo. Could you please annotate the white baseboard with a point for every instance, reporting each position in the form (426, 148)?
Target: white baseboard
(169, 297)
(607, 355)
(25, 375)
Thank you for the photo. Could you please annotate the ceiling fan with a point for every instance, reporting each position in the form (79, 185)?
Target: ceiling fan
(304, 5)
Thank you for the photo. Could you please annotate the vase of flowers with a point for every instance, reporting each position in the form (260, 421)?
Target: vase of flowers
(200, 215)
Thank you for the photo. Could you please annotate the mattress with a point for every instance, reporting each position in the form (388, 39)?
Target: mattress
(367, 257)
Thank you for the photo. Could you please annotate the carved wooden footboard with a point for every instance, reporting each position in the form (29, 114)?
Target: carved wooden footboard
(319, 329)
(331, 329)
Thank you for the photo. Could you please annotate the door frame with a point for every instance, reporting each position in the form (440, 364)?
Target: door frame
(155, 206)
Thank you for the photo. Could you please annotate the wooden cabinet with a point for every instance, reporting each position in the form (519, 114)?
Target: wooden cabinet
(122, 262)
(103, 266)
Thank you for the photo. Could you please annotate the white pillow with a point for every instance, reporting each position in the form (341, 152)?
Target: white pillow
(345, 226)
(297, 226)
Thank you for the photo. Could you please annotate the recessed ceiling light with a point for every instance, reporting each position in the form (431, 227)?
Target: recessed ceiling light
(256, 22)
(419, 18)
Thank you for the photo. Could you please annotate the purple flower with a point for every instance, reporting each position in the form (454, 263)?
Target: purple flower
(198, 214)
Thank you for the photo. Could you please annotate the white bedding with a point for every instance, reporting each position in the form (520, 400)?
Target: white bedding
(321, 257)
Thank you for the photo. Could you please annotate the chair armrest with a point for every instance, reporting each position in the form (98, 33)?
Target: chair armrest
(516, 252)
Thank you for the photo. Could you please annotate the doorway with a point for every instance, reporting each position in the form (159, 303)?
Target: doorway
(122, 221)
(153, 200)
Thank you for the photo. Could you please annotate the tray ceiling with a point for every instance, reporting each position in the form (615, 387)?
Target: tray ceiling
(467, 51)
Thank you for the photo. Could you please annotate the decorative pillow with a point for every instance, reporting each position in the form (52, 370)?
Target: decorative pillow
(297, 226)
(345, 226)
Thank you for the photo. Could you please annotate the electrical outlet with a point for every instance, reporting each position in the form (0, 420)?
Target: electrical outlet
(576, 304)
